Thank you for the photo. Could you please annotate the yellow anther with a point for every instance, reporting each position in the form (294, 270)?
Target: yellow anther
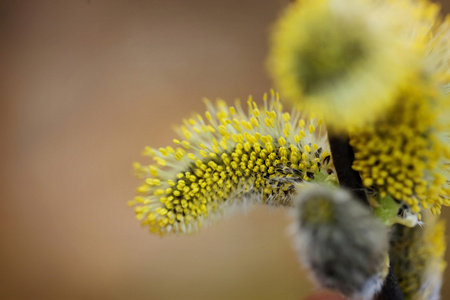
(287, 129)
(273, 114)
(186, 134)
(170, 149)
(222, 115)
(223, 144)
(210, 128)
(161, 211)
(269, 122)
(143, 189)
(158, 192)
(368, 182)
(247, 125)
(163, 151)
(160, 161)
(153, 181)
(179, 154)
(153, 170)
(254, 121)
(301, 133)
(223, 130)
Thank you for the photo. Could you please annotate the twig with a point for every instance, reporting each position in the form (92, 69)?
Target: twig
(343, 158)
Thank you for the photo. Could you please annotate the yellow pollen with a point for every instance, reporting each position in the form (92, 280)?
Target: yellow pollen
(229, 155)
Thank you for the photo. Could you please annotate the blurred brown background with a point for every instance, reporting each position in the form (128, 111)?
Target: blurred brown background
(85, 85)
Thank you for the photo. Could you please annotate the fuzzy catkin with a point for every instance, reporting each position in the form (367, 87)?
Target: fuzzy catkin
(340, 241)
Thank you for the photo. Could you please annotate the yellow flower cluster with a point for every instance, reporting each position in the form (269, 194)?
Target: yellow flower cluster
(402, 155)
(380, 70)
(345, 58)
(229, 157)
(405, 153)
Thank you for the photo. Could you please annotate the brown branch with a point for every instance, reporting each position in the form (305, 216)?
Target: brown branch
(343, 158)
(350, 179)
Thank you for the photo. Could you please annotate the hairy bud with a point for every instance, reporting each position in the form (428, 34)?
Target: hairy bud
(340, 241)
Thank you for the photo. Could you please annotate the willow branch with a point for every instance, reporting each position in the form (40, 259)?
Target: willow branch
(343, 158)
(350, 179)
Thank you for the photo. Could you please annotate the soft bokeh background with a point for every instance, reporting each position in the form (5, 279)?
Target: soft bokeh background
(85, 85)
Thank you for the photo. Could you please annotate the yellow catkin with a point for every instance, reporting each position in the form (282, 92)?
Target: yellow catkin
(327, 56)
(402, 154)
(230, 160)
